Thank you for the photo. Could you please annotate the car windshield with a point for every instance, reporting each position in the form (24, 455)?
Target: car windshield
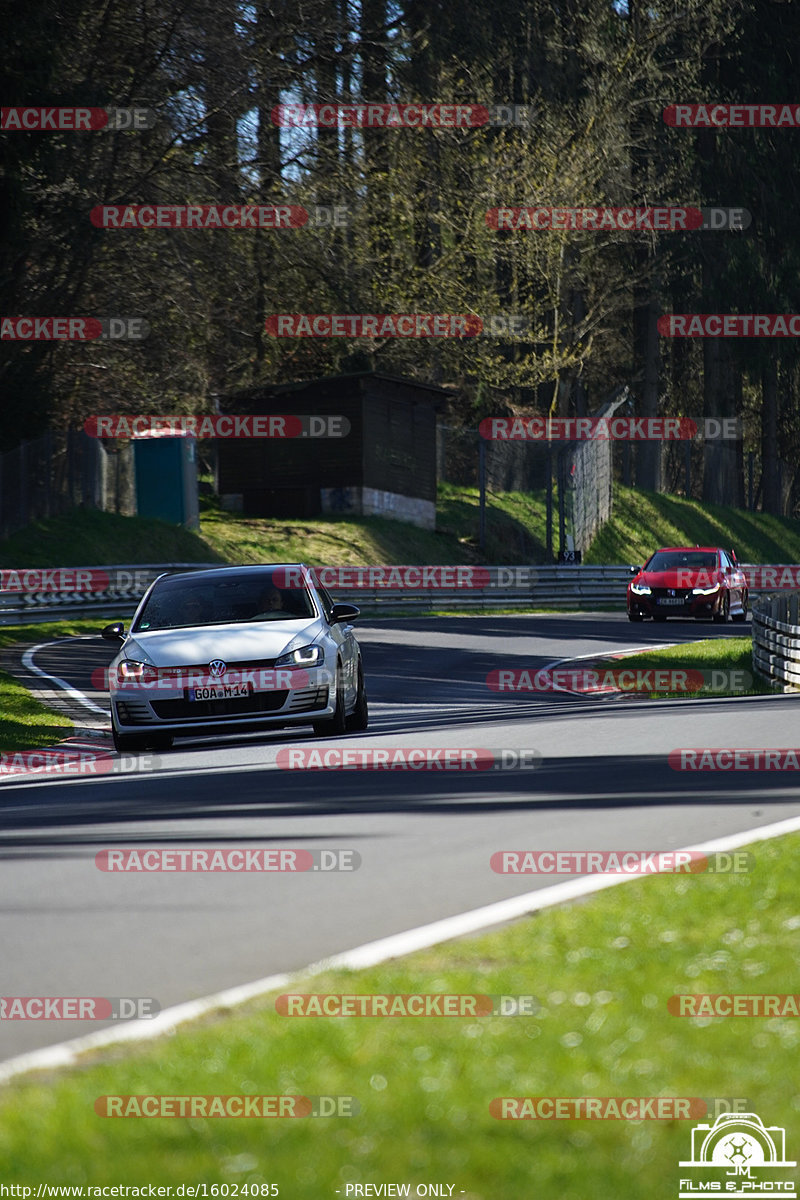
(674, 560)
(177, 602)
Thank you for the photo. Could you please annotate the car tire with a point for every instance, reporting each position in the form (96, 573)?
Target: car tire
(335, 725)
(742, 616)
(359, 717)
(724, 615)
(635, 616)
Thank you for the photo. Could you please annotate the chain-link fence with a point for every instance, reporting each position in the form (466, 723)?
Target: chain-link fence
(60, 471)
(578, 475)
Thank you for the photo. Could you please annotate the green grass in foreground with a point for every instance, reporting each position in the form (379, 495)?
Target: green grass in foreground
(711, 654)
(603, 971)
(642, 521)
(25, 723)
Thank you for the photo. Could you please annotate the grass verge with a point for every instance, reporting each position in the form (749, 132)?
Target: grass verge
(515, 533)
(731, 655)
(642, 521)
(86, 538)
(602, 971)
(26, 723)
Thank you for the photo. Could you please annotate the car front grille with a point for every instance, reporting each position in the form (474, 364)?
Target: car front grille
(684, 594)
(308, 699)
(250, 664)
(133, 712)
(237, 706)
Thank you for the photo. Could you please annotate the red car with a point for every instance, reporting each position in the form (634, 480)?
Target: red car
(688, 581)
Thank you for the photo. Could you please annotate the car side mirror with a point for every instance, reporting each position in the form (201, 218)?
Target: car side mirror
(114, 633)
(635, 570)
(344, 612)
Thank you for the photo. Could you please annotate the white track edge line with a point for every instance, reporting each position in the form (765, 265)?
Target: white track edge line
(73, 693)
(369, 954)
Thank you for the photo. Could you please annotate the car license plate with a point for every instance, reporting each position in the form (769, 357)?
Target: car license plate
(220, 691)
(675, 601)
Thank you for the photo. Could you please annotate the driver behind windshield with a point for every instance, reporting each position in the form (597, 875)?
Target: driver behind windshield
(270, 602)
(191, 611)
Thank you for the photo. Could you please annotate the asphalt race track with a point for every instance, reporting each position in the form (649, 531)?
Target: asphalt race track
(425, 838)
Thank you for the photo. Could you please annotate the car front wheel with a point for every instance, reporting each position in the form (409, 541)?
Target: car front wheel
(722, 615)
(335, 725)
(359, 717)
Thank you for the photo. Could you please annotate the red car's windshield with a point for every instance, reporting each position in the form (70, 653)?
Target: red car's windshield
(674, 560)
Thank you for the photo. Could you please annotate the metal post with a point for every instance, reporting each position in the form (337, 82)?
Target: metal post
(549, 503)
(482, 487)
(562, 490)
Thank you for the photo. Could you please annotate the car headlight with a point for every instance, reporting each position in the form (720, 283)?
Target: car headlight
(707, 591)
(303, 656)
(131, 671)
(641, 589)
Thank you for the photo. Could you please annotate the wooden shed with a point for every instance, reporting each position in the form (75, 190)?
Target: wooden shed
(385, 465)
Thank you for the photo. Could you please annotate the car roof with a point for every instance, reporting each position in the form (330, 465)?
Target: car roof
(686, 549)
(248, 569)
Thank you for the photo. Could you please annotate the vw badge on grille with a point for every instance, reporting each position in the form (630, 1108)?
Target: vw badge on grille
(217, 667)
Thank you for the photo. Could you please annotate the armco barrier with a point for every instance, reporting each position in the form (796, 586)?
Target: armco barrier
(776, 639)
(558, 587)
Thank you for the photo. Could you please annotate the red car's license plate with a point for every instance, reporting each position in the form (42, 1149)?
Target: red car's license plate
(675, 601)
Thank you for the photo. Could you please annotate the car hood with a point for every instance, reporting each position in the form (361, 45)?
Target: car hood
(242, 642)
(683, 577)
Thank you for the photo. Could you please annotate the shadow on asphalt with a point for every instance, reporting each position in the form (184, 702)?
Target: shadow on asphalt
(54, 817)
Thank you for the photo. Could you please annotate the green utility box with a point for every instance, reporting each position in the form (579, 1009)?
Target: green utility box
(166, 479)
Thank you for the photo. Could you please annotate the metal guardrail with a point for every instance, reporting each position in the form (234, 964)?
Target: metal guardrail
(473, 587)
(776, 639)
(41, 595)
